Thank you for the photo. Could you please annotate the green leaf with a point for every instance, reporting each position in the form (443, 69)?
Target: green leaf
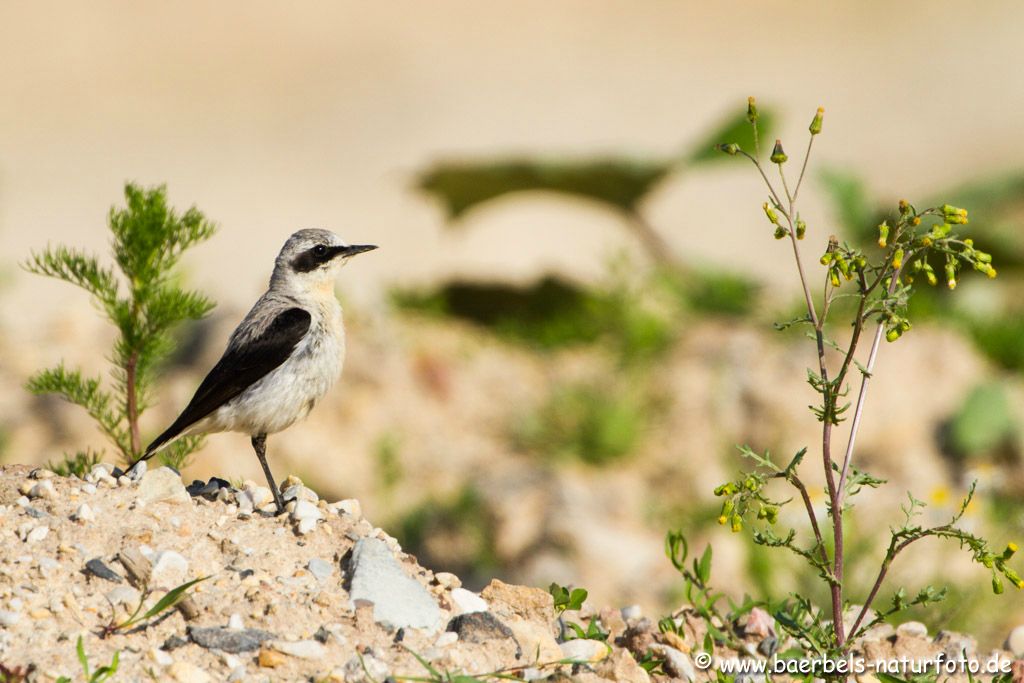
(577, 598)
(171, 598)
(617, 182)
(704, 566)
(732, 129)
(82, 659)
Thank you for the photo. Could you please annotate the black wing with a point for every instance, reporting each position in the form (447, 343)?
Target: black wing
(239, 369)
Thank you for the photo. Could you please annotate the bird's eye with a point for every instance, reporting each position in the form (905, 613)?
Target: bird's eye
(319, 250)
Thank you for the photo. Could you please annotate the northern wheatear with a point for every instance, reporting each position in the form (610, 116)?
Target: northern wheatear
(282, 358)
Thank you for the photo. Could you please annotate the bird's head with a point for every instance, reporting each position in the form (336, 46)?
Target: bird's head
(310, 259)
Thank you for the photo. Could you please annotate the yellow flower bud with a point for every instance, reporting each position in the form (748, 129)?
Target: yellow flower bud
(770, 212)
(737, 524)
(897, 259)
(883, 234)
(801, 229)
(778, 155)
(751, 110)
(815, 126)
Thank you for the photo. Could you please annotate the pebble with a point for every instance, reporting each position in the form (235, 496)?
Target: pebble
(161, 657)
(37, 534)
(677, 663)
(137, 471)
(271, 658)
(162, 484)
(299, 492)
(306, 510)
(9, 617)
(467, 602)
(42, 473)
(88, 489)
(84, 513)
(183, 672)
(321, 569)
(123, 595)
(235, 622)
(631, 612)
(170, 569)
(96, 567)
(350, 506)
(237, 674)
(479, 627)
(305, 526)
(399, 601)
(43, 489)
(47, 565)
(216, 638)
(582, 650)
(1015, 641)
(22, 502)
(447, 638)
(302, 649)
(35, 513)
(912, 629)
(447, 580)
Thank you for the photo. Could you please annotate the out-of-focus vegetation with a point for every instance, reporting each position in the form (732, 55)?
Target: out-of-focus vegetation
(149, 238)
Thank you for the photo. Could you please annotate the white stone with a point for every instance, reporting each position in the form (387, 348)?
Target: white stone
(305, 526)
(299, 492)
(43, 489)
(123, 595)
(235, 624)
(161, 657)
(912, 629)
(183, 672)
(83, 513)
(306, 510)
(302, 649)
(447, 638)
(37, 534)
(22, 502)
(9, 618)
(321, 569)
(162, 484)
(1015, 641)
(631, 612)
(582, 650)
(170, 569)
(88, 489)
(466, 602)
(448, 580)
(351, 507)
(237, 674)
(398, 599)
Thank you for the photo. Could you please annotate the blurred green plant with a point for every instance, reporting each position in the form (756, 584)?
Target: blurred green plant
(101, 674)
(451, 533)
(620, 184)
(595, 423)
(77, 465)
(387, 456)
(983, 423)
(148, 240)
(924, 244)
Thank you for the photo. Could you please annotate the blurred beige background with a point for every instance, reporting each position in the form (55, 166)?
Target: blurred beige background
(274, 116)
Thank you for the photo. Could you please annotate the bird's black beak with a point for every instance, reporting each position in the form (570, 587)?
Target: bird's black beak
(353, 249)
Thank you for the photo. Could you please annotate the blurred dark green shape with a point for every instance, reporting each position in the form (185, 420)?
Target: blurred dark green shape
(983, 423)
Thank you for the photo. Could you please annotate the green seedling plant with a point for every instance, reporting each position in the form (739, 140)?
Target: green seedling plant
(914, 245)
(567, 599)
(143, 300)
(142, 619)
(99, 675)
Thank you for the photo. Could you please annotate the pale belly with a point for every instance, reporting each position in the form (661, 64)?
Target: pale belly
(285, 395)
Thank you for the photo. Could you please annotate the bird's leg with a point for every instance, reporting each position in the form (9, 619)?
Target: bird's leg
(259, 444)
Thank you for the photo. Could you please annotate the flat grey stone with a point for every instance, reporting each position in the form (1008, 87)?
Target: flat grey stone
(227, 640)
(96, 567)
(321, 569)
(479, 627)
(162, 484)
(399, 601)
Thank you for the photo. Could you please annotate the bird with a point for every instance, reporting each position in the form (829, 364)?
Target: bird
(283, 357)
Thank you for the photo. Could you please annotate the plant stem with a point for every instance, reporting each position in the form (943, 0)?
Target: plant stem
(132, 404)
(654, 244)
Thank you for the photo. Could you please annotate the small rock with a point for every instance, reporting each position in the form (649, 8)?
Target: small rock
(9, 618)
(183, 672)
(398, 599)
(582, 650)
(305, 526)
(299, 492)
(123, 595)
(35, 513)
(161, 657)
(238, 674)
(466, 602)
(306, 510)
(912, 629)
(321, 569)
(47, 565)
(216, 638)
(42, 473)
(96, 567)
(37, 534)
(677, 663)
(302, 649)
(365, 668)
(83, 514)
(137, 471)
(350, 507)
(43, 489)
(88, 489)
(447, 638)
(631, 612)
(1015, 641)
(479, 627)
(447, 580)
(271, 659)
(22, 502)
(235, 623)
(173, 643)
(162, 484)
(170, 569)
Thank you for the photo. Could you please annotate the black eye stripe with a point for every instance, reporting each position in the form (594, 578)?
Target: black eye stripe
(311, 259)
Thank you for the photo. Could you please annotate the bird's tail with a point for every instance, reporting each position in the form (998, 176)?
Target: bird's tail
(172, 434)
